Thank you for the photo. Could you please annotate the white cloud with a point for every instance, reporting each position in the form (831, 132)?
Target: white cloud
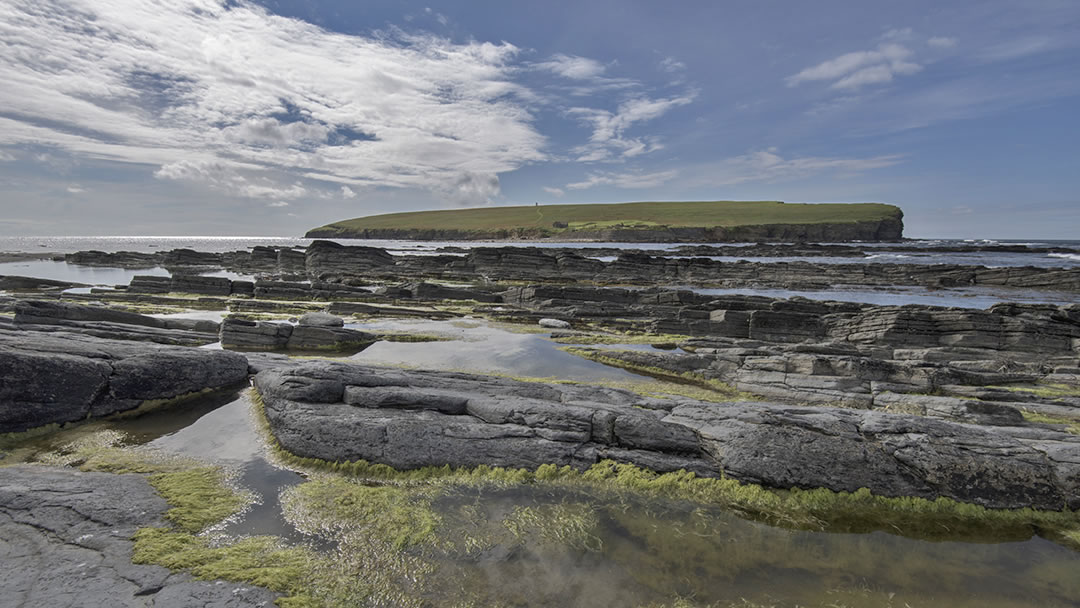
(900, 33)
(630, 180)
(6, 157)
(769, 166)
(76, 189)
(249, 102)
(278, 204)
(860, 68)
(609, 138)
(572, 66)
(230, 178)
(554, 191)
(942, 42)
(347, 192)
(672, 65)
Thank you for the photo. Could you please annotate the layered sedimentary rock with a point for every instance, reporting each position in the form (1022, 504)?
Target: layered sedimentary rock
(67, 542)
(331, 271)
(18, 283)
(60, 377)
(324, 258)
(41, 315)
(315, 331)
(410, 419)
(333, 262)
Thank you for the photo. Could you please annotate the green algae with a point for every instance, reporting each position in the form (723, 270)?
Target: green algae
(400, 516)
(199, 497)
(262, 561)
(414, 337)
(1048, 390)
(1070, 424)
(566, 524)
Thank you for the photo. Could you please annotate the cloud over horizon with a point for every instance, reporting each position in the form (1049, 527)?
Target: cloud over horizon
(231, 96)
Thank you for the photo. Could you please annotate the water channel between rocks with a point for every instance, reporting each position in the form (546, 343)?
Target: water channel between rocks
(625, 550)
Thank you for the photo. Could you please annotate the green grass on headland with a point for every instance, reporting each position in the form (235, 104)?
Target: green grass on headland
(592, 217)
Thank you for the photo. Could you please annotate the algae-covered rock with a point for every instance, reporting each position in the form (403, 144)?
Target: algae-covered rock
(409, 419)
(67, 542)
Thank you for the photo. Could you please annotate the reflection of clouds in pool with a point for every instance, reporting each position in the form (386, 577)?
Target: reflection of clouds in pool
(92, 275)
(481, 348)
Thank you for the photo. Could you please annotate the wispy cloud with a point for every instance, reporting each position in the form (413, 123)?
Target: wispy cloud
(347, 192)
(1021, 47)
(572, 66)
(6, 157)
(227, 94)
(75, 189)
(629, 180)
(769, 166)
(441, 18)
(672, 65)
(583, 76)
(609, 139)
(942, 42)
(861, 68)
(554, 191)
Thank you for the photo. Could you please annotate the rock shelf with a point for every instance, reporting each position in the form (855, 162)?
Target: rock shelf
(411, 419)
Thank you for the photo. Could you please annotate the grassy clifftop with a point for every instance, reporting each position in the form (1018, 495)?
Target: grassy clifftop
(713, 220)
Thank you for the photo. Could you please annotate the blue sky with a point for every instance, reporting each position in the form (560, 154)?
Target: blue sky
(199, 117)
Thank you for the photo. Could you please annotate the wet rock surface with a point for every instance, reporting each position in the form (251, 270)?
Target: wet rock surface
(58, 377)
(65, 542)
(410, 419)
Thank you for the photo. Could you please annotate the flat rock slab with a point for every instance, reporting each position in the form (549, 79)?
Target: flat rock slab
(59, 377)
(409, 419)
(65, 541)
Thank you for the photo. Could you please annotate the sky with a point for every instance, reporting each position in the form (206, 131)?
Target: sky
(215, 117)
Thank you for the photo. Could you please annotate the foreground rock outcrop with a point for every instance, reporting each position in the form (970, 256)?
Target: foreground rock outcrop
(65, 542)
(410, 419)
(58, 377)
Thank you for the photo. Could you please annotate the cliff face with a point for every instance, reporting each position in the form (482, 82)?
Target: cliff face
(889, 229)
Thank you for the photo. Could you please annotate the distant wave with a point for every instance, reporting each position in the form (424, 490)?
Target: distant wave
(1065, 256)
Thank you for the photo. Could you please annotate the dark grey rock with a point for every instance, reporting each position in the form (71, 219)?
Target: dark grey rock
(242, 334)
(59, 377)
(410, 419)
(41, 315)
(951, 408)
(65, 542)
(323, 338)
(328, 260)
(320, 319)
(211, 286)
(17, 283)
(891, 454)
